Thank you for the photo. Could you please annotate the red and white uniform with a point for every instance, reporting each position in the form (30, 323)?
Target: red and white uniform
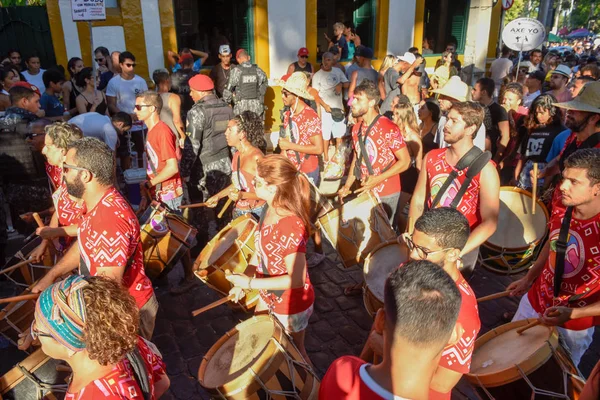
(384, 140)
(274, 243)
(54, 174)
(160, 147)
(245, 184)
(109, 235)
(120, 383)
(438, 170)
(581, 274)
(305, 125)
(68, 210)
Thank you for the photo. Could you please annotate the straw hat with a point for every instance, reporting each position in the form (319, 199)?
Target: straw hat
(588, 99)
(296, 83)
(456, 89)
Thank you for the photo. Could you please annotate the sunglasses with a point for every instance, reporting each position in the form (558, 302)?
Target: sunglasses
(67, 167)
(140, 106)
(422, 252)
(303, 56)
(35, 334)
(99, 60)
(129, 65)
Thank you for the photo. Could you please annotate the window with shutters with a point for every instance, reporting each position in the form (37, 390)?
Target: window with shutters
(205, 25)
(445, 23)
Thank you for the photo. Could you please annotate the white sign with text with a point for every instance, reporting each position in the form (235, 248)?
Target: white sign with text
(88, 10)
(523, 34)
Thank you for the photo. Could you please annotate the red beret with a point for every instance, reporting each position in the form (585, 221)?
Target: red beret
(28, 86)
(201, 83)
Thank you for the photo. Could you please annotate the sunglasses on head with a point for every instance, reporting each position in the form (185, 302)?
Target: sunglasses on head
(130, 65)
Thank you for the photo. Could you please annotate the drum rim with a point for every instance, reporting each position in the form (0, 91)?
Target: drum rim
(367, 261)
(328, 216)
(31, 363)
(511, 374)
(521, 249)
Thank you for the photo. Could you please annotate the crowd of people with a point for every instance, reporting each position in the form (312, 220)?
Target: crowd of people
(432, 150)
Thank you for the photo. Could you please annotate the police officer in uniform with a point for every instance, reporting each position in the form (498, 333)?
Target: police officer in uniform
(246, 87)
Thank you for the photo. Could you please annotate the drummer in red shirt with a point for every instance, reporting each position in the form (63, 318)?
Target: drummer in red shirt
(281, 273)
(481, 200)
(418, 320)
(578, 297)
(380, 153)
(108, 234)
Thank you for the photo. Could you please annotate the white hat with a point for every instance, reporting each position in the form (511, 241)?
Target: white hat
(407, 57)
(562, 70)
(455, 88)
(588, 99)
(296, 83)
(224, 50)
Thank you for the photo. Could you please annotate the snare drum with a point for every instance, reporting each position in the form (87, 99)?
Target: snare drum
(165, 238)
(506, 365)
(357, 227)
(511, 248)
(257, 360)
(230, 250)
(27, 274)
(384, 259)
(17, 385)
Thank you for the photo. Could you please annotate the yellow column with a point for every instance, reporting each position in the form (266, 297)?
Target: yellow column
(135, 40)
(494, 30)
(381, 28)
(167, 27)
(58, 35)
(419, 23)
(261, 35)
(311, 30)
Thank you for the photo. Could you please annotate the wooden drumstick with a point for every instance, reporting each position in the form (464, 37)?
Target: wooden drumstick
(16, 266)
(534, 193)
(38, 220)
(197, 205)
(536, 322)
(213, 305)
(22, 297)
(494, 296)
(225, 207)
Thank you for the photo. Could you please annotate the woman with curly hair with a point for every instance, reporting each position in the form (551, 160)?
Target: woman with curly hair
(92, 324)
(543, 124)
(246, 133)
(279, 263)
(67, 210)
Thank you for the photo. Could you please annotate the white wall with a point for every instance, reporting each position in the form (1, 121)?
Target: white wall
(401, 26)
(69, 29)
(111, 37)
(287, 33)
(153, 35)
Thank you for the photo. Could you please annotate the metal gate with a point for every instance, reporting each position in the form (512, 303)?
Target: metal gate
(27, 29)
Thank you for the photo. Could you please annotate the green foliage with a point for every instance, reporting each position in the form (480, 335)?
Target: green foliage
(519, 10)
(10, 3)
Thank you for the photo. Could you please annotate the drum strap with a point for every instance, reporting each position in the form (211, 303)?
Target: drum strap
(561, 248)
(139, 372)
(475, 160)
(364, 156)
(293, 140)
(588, 143)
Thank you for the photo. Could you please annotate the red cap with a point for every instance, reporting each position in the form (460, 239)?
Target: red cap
(185, 56)
(28, 86)
(201, 83)
(303, 52)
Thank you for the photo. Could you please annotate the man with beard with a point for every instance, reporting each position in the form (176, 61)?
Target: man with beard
(380, 153)
(480, 201)
(108, 234)
(535, 58)
(220, 72)
(558, 83)
(563, 284)
(246, 86)
(583, 119)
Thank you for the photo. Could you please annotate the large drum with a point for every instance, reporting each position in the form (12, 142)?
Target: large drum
(319, 203)
(230, 250)
(165, 237)
(506, 365)
(25, 275)
(257, 360)
(378, 265)
(357, 227)
(511, 248)
(34, 378)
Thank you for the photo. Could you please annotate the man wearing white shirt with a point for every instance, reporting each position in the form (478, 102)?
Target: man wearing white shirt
(120, 94)
(500, 68)
(33, 74)
(108, 130)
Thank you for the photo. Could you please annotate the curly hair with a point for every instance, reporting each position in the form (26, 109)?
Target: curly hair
(112, 320)
(63, 134)
(252, 125)
(546, 102)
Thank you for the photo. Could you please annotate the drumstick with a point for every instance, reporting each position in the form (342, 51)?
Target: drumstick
(16, 266)
(534, 194)
(536, 322)
(38, 219)
(494, 296)
(197, 205)
(22, 297)
(213, 305)
(225, 207)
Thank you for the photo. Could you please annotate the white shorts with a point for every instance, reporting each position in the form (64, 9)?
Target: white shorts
(330, 127)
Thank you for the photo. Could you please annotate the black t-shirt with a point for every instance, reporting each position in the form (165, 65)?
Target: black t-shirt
(494, 114)
(180, 84)
(539, 142)
(220, 76)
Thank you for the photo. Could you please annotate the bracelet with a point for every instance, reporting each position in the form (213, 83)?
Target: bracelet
(250, 283)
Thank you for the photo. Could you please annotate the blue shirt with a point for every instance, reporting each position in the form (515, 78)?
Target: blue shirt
(196, 67)
(558, 144)
(51, 105)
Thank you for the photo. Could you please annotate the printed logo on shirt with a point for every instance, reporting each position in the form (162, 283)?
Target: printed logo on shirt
(449, 195)
(574, 262)
(535, 146)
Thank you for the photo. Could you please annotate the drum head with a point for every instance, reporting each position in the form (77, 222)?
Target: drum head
(239, 352)
(226, 239)
(518, 227)
(380, 263)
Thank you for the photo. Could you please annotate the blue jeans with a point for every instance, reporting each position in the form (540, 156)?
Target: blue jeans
(315, 176)
(256, 212)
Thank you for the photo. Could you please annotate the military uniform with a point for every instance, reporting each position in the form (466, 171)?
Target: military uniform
(246, 89)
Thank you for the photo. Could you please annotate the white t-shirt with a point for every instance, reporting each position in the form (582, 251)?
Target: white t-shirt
(479, 140)
(36, 80)
(126, 91)
(325, 82)
(500, 69)
(97, 125)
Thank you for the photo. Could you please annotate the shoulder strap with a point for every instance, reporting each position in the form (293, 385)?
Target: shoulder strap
(588, 143)
(364, 157)
(138, 366)
(239, 166)
(158, 185)
(561, 248)
(292, 139)
(474, 168)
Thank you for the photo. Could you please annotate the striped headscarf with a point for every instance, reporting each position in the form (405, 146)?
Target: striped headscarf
(60, 311)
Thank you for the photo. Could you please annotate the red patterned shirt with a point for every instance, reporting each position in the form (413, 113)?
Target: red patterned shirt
(68, 210)
(438, 170)
(274, 243)
(243, 181)
(383, 142)
(582, 270)
(120, 383)
(109, 236)
(160, 147)
(54, 174)
(458, 356)
(305, 125)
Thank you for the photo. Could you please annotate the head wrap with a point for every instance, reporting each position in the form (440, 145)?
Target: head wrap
(60, 311)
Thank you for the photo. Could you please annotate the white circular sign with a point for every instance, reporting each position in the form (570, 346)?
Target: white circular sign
(507, 4)
(523, 34)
